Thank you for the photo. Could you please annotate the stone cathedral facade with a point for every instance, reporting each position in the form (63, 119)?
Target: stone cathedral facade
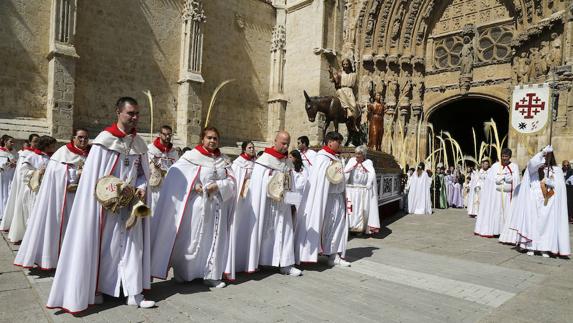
(65, 62)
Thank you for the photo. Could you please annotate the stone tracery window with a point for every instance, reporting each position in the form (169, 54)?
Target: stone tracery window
(447, 52)
(494, 44)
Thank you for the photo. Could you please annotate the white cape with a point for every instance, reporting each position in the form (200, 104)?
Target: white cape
(542, 227)
(14, 204)
(191, 232)
(98, 254)
(165, 160)
(419, 201)
(362, 196)
(6, 177)
(321, 223)
(496, 198)
(308, 158)
(48, 220)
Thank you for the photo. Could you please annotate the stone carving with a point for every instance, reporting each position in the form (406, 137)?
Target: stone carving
(461, 12)
(380, 75)
(467, 57)
(545, 57)
(376, 123)
(384, 16)
(397, 24)
(421, 32)
(409, 24)
(535, 65)
(391, 88)
(538, 7)
(405, 87)
(555, 51)
(417, 88)
(278, 40)
(372, 15)
(522, 69)
(193, 10)
(494, 44)
(367, 86)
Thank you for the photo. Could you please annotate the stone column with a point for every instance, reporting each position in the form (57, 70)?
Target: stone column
(61, 69)
(277, 101)
(189, 104)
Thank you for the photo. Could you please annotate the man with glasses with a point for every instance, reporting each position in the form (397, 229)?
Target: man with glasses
(161, 156)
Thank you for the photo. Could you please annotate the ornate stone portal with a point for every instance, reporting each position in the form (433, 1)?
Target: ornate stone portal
(419, 54)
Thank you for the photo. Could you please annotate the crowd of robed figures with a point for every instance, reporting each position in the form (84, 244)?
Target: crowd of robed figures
(527, 209)
(80, 209)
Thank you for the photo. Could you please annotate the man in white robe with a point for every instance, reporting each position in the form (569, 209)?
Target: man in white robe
(496, 196)
(8, 162)
(321, 221)
(194, 217)
(99, 255)
(48, 220)
(419, 200)
(476, 185)
(14, 204)
(306, 153)
(541, 218)
(266, 238)
(362, 193)
(33, 167)
(161, 156)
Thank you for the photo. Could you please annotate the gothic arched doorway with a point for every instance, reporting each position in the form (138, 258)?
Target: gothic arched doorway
(459, 116)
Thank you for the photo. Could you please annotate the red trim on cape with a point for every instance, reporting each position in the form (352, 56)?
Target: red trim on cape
(4, 149)
(204, 151)
(71, 147)
(62, 214)
(246, 156)
(330, 151)
(28, 148)
(273, 152)
(163, 148)
(116, 132)
(304, 155)
(37, 266)
(39, 152)
(486, 236)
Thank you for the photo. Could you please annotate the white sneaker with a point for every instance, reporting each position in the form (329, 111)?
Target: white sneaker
(98, 299)
(545, 255)
(530, 253)
(138, 300)
(335, 260)
(291, 271)
(214, 283)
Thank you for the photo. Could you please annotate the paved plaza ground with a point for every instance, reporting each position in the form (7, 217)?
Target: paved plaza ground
(418, 269)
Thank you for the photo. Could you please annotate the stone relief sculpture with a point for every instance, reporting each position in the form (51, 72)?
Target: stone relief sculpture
(535, 65)
(367, 87)
(405, 88)
(391, 88)
(466, 57)
(523, 69)
(555, 51)
(417, 88)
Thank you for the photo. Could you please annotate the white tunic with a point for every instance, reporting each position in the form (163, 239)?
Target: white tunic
(33, 162)
(49, 218)
(322, 225)
(6, 176)
(308, 158)
(14, 204)
(495, 199)
(476, 184)
(542, 227)
(99, 255)
(362, 196)
(419, 201)
(192, 231)
(164, 160)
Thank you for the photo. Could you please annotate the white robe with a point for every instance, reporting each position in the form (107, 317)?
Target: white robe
(476, 185)
(164, 160)
(450, 189)
(542, 227)
(308, 158)
(98, 254)
(321, 224)
(419, 201)
(362, 196)
(496, 199)
(19, 223)
(6, 177)
(192, 231)
(299, 180)
(48, 220)
(14, 204)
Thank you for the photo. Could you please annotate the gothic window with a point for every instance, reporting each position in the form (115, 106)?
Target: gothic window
(447, 51)
(494, 44)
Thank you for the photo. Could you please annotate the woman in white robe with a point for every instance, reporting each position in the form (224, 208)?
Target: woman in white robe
(362, 194)
(48, 220)
(195, 216)
(542, 224)
(8, 161)
(457, 196)
(35, 162)
(419, 201)
(300, 177)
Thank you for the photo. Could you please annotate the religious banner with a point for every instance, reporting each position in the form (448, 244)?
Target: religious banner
(530, 108)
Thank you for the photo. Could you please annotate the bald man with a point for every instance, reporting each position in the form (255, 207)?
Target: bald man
(266, 237)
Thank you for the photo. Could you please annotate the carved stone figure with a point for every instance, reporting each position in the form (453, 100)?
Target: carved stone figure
(367, 86)
(555, 51)
(535, 65)
(466, 57)
(376, 123)
(523, 69)
(405, 88)
(395, 30)
(391, 88)
(417, 88)
(421, 32)
(545, 60)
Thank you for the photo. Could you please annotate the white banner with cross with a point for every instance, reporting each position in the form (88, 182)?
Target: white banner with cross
(530, 108)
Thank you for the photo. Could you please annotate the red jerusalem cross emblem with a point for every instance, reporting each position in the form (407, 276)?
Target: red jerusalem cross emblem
(530, 105)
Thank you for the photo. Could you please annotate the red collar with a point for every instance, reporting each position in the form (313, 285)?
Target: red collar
(39, 152)
(273, 152)
(28, 149)
(330, 151)
(246, 156)
(208, 153)
(163, 148)
(71, 147)
(115, 131)
(4, 149)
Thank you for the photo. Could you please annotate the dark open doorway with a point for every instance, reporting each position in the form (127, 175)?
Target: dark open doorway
(458, 118)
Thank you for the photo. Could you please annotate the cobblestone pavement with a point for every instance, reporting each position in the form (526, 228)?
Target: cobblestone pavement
(418, 269)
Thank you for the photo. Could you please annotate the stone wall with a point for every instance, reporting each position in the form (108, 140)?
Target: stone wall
(24, 37)
(126, 47)
(237, 43)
